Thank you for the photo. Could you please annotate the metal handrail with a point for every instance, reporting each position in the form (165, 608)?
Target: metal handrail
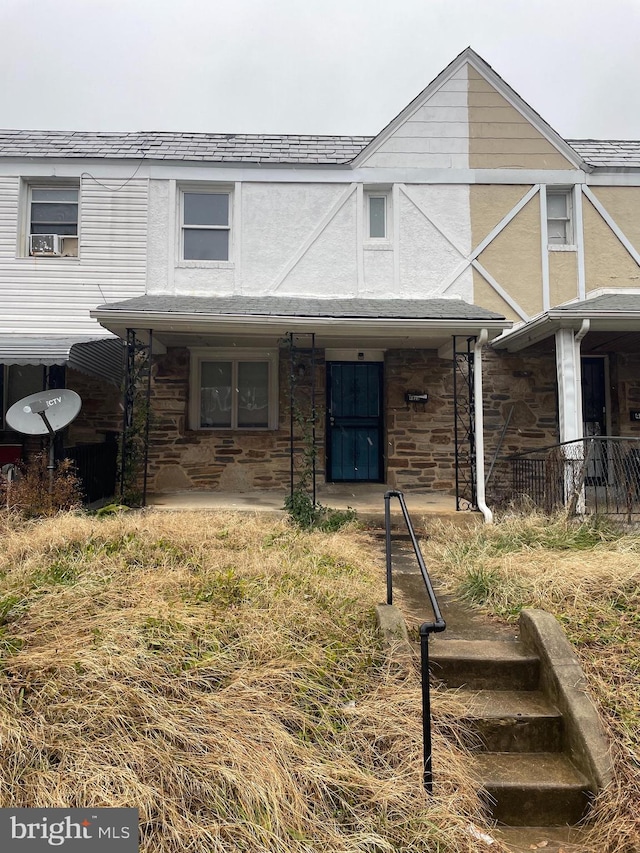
(426, 628)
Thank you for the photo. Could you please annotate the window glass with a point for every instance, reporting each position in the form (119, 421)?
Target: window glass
(377, 216)
(23, 379)
(556, 205)
(215, 394)
(253, 394)
(54, 211)
(203, 244)
(206, 209)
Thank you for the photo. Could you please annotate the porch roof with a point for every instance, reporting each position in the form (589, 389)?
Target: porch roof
(617, 312)
(377, 320)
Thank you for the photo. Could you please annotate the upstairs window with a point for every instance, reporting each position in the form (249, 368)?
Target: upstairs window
(559, 225)
(206, 226)
(53, 221)
(377, 217)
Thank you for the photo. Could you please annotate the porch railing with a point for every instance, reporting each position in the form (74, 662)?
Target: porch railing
(96, 466)
(438, 624)
(596, 474)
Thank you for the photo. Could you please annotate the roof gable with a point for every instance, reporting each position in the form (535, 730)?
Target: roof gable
(443, 126)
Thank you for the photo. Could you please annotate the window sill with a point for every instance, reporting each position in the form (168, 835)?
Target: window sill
(55, 258)
(233, 430)
(385, 246)
(205, 265)
(557, 248)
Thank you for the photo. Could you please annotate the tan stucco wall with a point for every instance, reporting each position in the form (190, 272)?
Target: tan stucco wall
(514, 257)
(623, 205)
(563, 277)
(500, 137)
(607, 262)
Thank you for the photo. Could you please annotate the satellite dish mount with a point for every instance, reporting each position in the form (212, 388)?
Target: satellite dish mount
(44, 413)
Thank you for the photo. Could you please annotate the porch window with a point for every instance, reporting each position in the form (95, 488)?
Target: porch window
(234, 389)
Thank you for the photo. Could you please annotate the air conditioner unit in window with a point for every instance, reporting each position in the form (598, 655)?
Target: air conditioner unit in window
(45, 244)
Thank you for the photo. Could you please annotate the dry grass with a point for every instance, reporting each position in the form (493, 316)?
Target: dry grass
(223, 674)
(588, 575)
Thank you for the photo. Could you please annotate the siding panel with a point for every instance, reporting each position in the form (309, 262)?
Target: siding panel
(55, 295)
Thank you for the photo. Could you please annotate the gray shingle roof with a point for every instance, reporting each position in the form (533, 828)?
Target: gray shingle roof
(606, 302)
(245, 147)
(283, 306)
(609, 153)
(211, 147)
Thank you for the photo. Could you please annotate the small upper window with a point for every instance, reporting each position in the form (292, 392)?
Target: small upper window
(559, 227)
(53, 221)
(205, 226)
(377, 217)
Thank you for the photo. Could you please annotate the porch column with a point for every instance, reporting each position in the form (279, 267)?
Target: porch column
(570, 414)
(569, 385)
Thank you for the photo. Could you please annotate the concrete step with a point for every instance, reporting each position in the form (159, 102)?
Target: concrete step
(484, 664)
(511, 721)
(535, 789)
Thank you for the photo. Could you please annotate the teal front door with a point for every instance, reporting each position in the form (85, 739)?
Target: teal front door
(354, 422)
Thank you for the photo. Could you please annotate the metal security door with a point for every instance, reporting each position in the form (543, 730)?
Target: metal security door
(354, 422)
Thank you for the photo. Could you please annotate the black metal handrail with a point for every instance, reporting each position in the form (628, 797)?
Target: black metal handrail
(426, 628)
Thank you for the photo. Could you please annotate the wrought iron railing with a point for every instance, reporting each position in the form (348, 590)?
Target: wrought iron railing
(96, 466)
(597, 474)
(426, 628)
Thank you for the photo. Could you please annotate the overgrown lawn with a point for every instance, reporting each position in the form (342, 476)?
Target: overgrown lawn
(224, 675)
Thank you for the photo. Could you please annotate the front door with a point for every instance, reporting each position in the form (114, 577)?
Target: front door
(594, 415)
(354, 422)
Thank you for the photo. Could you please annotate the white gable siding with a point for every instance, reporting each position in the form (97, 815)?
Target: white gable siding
(53, 296)
(435, 136)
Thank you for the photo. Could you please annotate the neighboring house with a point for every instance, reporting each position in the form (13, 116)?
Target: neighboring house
(466, 262)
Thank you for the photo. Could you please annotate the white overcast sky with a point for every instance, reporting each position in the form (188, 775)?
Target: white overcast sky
(307, 66)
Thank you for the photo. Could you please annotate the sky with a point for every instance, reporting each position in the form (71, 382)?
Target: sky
(307, 66)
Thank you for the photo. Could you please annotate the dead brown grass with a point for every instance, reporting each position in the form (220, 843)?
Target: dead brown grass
(223, 675)
(588, 575)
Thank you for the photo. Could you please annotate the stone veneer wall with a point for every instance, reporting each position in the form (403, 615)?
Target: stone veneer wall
(420, 439)
(624, 371)
(101, 410)
(420, 449)
(227, 460)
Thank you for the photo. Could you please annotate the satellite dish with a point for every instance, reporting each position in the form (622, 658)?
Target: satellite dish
(44, 412)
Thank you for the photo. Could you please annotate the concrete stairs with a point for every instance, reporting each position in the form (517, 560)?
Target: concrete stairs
(518, 734)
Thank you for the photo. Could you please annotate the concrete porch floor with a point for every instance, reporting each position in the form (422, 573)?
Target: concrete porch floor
(367, 499)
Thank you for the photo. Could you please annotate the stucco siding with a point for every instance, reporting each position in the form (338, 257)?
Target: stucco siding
(607, 262)
(514, 259)
(489, 204)
(501, 137)
(623, 205)
(563, 277)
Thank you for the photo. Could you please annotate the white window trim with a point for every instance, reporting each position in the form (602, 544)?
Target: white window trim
(27, 187)
(570, 245)
(377, 242)
(234, 355)
(206, 189)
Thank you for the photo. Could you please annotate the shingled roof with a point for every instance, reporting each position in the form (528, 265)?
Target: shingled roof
(610, 153)
(210, 147)
(285, 306)
(246, 147)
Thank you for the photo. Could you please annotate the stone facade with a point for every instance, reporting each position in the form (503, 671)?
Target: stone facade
(420, 448)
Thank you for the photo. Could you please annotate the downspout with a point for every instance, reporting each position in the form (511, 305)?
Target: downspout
(479, 425)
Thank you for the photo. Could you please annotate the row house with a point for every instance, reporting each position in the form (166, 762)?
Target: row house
(417, 307)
